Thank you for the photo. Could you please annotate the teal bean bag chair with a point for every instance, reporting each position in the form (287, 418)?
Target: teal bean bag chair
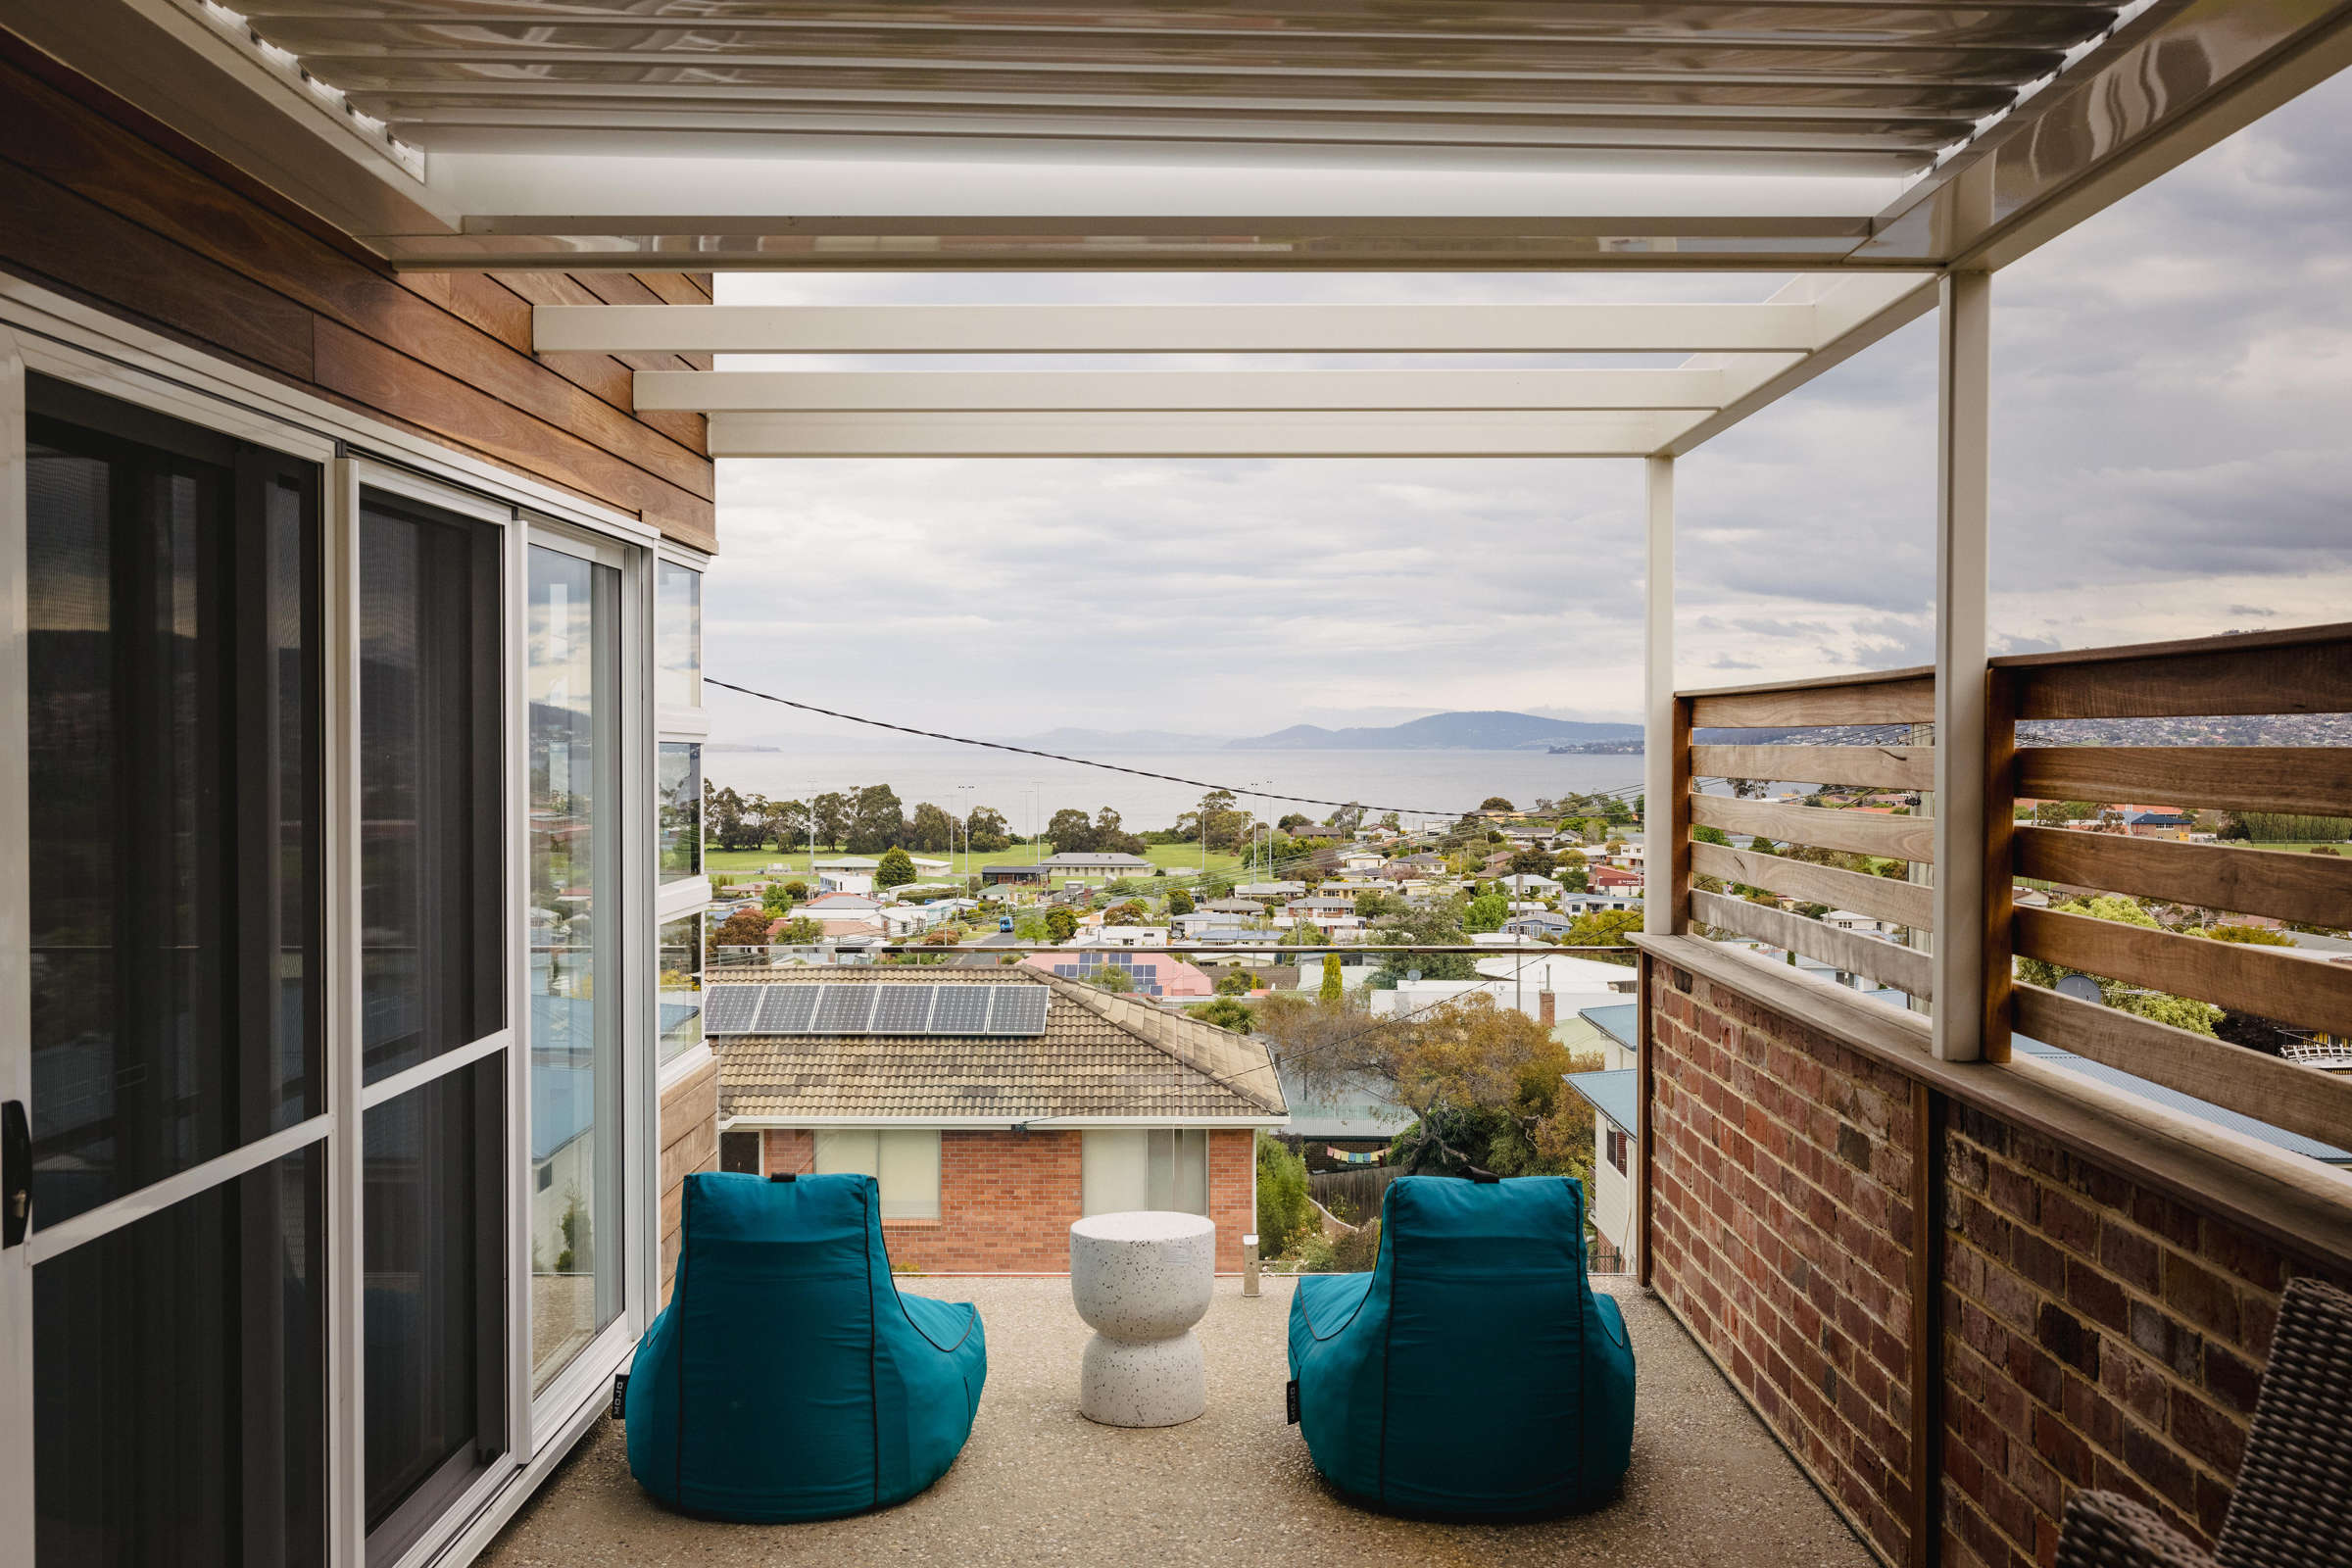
(788, 1379)
(1474, 1372)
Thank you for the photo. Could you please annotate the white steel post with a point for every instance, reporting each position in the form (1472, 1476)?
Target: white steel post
(1962, 564)
(1657, 705)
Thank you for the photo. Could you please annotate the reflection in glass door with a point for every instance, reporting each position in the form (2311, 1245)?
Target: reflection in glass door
(173, 758)
(578, 984)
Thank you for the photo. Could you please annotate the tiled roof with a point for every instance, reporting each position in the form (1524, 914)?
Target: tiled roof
(1101, 1055)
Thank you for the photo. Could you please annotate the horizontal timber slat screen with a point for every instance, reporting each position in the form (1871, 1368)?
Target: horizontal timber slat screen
(2268, 992)
(1831, 856)
(1822, 857)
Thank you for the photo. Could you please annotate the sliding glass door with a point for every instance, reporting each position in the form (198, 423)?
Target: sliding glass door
(327, 874)
(578, 985)
(176, 1114)
(433, 1036)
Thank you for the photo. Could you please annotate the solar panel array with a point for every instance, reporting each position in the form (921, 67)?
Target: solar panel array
(876, 1008)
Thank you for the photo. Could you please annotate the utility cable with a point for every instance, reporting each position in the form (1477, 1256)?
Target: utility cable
(1111, 768)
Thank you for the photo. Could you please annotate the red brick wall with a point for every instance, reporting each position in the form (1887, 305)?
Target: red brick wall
(1783, 1227)
(2093, 1332)
(1007, 1199)
(2097, 1334)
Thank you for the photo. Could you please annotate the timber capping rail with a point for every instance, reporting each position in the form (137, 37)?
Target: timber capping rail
(1874, 862)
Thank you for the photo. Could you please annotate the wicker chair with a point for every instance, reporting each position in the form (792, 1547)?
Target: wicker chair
(2294, 1505)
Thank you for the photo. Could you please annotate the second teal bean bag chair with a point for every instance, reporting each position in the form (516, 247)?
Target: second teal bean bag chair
(1474, 1372)
(788, 1379)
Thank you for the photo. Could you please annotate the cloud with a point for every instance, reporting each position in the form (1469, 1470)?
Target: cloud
(2170, 382)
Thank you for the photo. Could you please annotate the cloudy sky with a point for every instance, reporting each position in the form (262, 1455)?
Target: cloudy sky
(2172, 399)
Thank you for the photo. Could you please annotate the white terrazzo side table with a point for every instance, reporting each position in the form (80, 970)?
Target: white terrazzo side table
(1141, 1281)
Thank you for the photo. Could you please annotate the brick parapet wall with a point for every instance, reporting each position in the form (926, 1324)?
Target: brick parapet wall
(2097, 1334)
(1007, 1199)
(2091, 1331)
(1783, 1165)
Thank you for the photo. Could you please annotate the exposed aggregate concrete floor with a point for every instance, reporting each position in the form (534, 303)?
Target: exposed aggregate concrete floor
(1040, 1484)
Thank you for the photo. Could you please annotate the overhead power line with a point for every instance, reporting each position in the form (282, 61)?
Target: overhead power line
(1237, 791)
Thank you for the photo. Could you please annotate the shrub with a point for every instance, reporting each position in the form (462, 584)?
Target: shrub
(1235, 983)
(1285, 1216)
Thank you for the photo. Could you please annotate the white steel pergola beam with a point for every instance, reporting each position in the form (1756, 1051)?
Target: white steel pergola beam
(1292, 434)
(1207, 391)
(1851, 312)
(1767, 329)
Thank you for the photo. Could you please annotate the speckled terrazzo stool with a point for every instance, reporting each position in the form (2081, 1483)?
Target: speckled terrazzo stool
(1142, 1281)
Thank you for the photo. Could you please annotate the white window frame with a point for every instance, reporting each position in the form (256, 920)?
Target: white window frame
(832, 1144)
(50, 335)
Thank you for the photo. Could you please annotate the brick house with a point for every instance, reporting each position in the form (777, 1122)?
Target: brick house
(993, 1105)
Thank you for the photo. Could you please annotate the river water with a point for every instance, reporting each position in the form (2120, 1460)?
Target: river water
(1029, 790)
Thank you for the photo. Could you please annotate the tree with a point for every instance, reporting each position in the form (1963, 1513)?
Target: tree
(1225, 1013)
(1496, 803)
(1601, 928)
(1304, 934)
(1332, 988)
(1179, 903)
(876, 821)
(1438, 925)
(2182, 1012)
(799, 931)
(1487, 913)
(1060, 924)
(1235, 983)
(896, 870)
(1285, 1213)
(1111, 837)
(786, 824)
(1291, 821)
(1532, 863)
(1215, 820)
(745, 928)
(2254, 935)
(1378, 906)
(1113, 977)
(1071, 831)
(1703, 834)
(831, 810)
(1131, 912)
(931, 828)
(985, 830)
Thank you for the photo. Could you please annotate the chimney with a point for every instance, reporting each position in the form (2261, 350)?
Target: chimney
(1547, 1008)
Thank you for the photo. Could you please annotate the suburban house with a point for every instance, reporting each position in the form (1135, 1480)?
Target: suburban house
(1608, 1032)
(1093, 864)
(1269, 890)
(1159, 975)
(1248, 909)
(1361, 860)
(1528, 885)
(1013, 876)
(994, 1106)
(846, 873)
(1103, 935)
(1615, 1099)
(1612, 879)
(1536, 923)
(1591, 899)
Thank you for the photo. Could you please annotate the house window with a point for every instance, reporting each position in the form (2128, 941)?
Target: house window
(680, 798)
(739, 1152)
(680, 984)
(677, 635)
(1616, 1141)
(1157, 1168)
(902, 1161)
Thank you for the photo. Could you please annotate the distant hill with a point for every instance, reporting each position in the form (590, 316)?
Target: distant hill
(2268, 729)
(1469, 732)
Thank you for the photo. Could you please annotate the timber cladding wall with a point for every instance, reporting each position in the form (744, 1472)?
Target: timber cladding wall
(689, 1136)
(1783, 1162)
(2087, 1331)
(107, 207)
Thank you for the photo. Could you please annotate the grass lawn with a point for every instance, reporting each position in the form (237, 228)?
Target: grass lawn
(2299, 848)
(1177, 858)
